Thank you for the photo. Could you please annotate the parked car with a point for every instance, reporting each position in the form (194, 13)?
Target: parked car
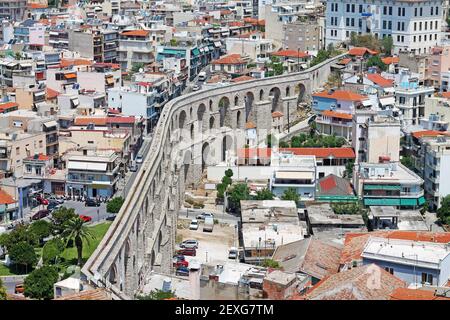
(40, 214)
(19, 288)
(187, 252)
(53, 206)
(189, 244)
(195, 88)
(139, 158)
(194, 224)
(203, 215)
(85, 218)
(90, 202)
(133, 167)
(182, 271)
(53, 198)
(233, 253)
(111, 217)
(180, 263)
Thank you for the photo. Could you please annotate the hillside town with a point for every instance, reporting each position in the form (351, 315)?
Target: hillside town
(224, 150)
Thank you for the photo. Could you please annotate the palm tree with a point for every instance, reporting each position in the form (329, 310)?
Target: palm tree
(76, 230)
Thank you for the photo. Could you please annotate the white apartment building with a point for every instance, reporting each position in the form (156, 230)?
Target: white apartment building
(414, 25)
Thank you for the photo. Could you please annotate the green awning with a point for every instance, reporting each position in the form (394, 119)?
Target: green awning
(381, 201)
(421, 200)
(174, 52)
(381, 187)
(408, 202)
(337, 198)
(195, 52)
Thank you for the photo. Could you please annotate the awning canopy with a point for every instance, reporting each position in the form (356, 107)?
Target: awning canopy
(88, 166)
(367, 103)
(217, 44)
(387, 101)
(295, 175)
(195, 52)
(50, 124)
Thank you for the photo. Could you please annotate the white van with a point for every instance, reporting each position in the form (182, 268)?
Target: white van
(139, 158)
(209, 224)
(202, 76)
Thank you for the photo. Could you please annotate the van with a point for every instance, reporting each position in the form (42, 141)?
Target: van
(208, 226)
(139, 158)
(202, 76)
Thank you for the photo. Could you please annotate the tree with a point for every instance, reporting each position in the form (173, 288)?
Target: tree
(173, 42)
(61, 217)
(137, 66)
(365, 40)
(276, 65)
(229, 173)
(157, 295)
(39, 283)
(312, 128)
(52, 250)
(375, 61)
(264, 194)
(387, 43)
(269, 263)
(290, 194)
(322, 55)
(41, 229)
(237, 193)
(43, 16)
(348, 172)
(114, 205)
(271, 141)
(23, 254)
(221, 188)
(77, 231)
(443, 212)
(346, 208)
(2, 291)
(408, 162)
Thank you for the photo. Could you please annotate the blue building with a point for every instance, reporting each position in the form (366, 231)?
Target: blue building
(338, 100)
(417, 263)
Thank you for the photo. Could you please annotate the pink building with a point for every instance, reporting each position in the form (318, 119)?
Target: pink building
(436, 63)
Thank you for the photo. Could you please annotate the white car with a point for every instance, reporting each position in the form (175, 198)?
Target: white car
(194, 224)
(204, 215)
(195, 88)
(139, 158)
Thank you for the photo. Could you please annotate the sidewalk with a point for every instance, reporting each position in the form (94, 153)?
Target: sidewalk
(27, 214)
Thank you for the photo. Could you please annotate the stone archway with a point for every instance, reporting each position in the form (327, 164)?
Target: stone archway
(225, 113)
(227, 144)
(112, 278)
(300, 90)
(238, 119)
(249, 107)
(187, 160)
(211, 122)
(182, 119)
(206, 155)
(275, 93)
(200, 116)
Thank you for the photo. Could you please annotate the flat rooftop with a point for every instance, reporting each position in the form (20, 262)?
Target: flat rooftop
(229, 272)
(272, 235)
(260, 211)
(425, 254)
(388, 173)
(323, 214)
(181, 286)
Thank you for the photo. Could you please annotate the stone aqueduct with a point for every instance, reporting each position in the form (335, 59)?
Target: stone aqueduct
(142, 237)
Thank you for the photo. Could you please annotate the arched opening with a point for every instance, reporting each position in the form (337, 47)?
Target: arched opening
(187, 164)
(152, 259)
(210, 106)
(113, 275)
(300, 92)
(126, 256)
(236, 101)
(238, 119)
(227, 143)
(224, 111)
(275, 94)
(288, 91)
(182, 119)
(201, 112)
(249, 112)
(190, 113)
(192, 131)
(211, 122)
(205, 155)
(261, 95)
(159, 240)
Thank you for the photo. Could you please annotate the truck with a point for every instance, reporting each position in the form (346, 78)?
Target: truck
(208, 226)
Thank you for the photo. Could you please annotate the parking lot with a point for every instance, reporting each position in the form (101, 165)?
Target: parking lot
(212, 245)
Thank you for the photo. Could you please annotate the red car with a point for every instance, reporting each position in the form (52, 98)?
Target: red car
(181, 263)
(40, 214)
(85, 218)
(187, 252)
(41, 200)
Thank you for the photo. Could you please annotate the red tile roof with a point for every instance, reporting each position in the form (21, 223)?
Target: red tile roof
(74, 62)
(291, 54)
(321, 259)
(230, 59)
(41, 157)
(390, 60)
(6, 198)
(337, 115)
(130, 119)
(8, 105)
(445, 95)
(328, 183)
(250, 125)
(337, 153)
(277, 114)
(242, 78)
(84, 121)
(260, 153)
(356, 284)
(340, 95)
(95, 294)
(136, 33)
(345, 61)
(415, 294)
(37, 6)
(430, 133)
(51, 94)
(379, 80)
(360, 51)
(235, 24)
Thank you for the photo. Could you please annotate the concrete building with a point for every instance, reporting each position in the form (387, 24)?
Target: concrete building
(29, 32)
(100, 77)
(412, 28)
(417, 263)
(135, 47)
(437, 63)
(13, 10)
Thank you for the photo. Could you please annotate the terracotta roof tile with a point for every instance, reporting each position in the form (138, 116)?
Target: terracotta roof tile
(41, 157)
(136, 33)
(337, 153)
(345, 61)
(354, 284)
(429, 133)
(6, 198)
(337, 115)
(390, 60)
(321, 259)
(415, 294)
(51, 94)
(129, 119)
(74, 62)
(379, 80)
(242, 78)
(328, 183)
(360, 51)
(84, 121)
(37, 6)
(340, 95)
(277, 114)
(291, 54)
(8, 105)
(95, 294)
(230, 59)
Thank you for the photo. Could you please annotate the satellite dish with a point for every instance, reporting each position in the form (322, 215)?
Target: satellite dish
(141, 70)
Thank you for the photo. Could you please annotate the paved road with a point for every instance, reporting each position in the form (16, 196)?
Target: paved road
(97, 213)
(184, 213)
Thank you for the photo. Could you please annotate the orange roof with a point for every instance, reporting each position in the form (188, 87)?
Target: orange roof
(84, 121)
(6, 198)
(230, 59)
(51, 94)
(345, 61)
(360, 51)
(74, 62)
(338, 115)
(445, 95)
(255, 22)
(291, 54)
(415, 294)
(250, 125)
(340, 95)
(379, 80)
(225, 12)
(136, 33)
(277, 114)
(430, 133)
(41, 157)
(70, 75)
(337, 153)
(259, 153)
(242, 78)
(94, 294)
(8, 105)
(390, 60)
(37, 6)
(235, 24)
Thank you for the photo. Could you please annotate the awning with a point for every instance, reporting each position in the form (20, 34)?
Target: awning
(39, 93)
(387, 101)
(52, 33)
(89, 166)
(421, 201)
(75, 101)
(110, 80)
(366, 103)
(26, 65)
(296, 175)
(217, 44)
(70, 76)
(381, 187)
(408, 202)
(50, 124)
(195, 52)
(381, 201)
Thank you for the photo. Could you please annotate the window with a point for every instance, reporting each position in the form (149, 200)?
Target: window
(38, 171)
(399, 11)
(40, 144)
(437, 11)
(414, 39)
(415, 12)
(28, 168)
(431, 11)
(436, 25)
(390, 11)
(421, 11)
(384, 24)
(360, 8)
(353, 7)
(390, 270)
(17, 151)
(353, 22)
(90, 142)
(415, 26)
(427, 278)
(348, 7)
(385, 10)
(390, 25)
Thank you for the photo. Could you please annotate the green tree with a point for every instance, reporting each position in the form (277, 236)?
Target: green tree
(322, 55)
(52, 250)
(264, 194)
(290, 194)
(284, 144)
(41, 229)
(39, 283)
(271, 141)
(114, 205)
(425, 207)
(221, 188)
(173, 42)
(22, 254)
(157, 295)
(275, 65)
(77, 231)
(269, 263)
(347, 208)
(237, 193)
(2, 291)
(348, 172)
(375, 61)
(408, 162)
(312, 129)
(443, 212)
(387, 43)
(137, 66)
(229, 173)
(61, 217)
